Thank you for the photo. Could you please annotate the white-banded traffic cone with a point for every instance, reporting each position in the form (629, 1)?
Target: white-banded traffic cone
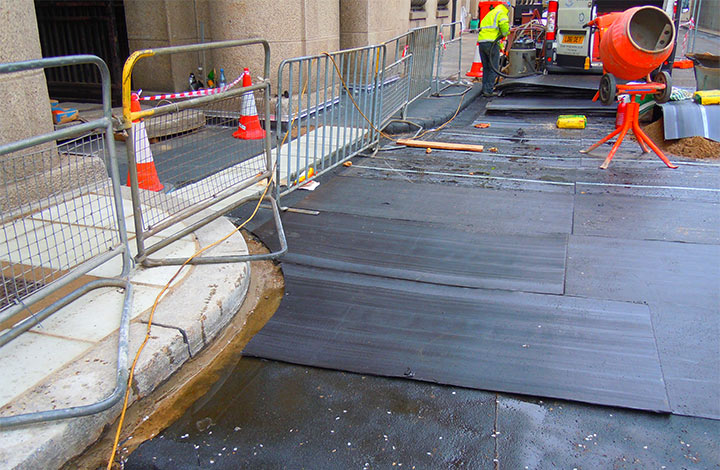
(249, 125)
(144, 163)
(477, 68)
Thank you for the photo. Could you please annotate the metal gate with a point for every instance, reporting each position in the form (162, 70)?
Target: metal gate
(61, 217)
(83, 27)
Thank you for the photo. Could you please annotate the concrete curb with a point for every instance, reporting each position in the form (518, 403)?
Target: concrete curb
(190, 315)
(432, 111)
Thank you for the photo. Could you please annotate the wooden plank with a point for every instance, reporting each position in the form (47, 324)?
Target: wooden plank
(440, 145)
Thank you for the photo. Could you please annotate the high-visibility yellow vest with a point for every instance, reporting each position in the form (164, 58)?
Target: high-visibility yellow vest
(496, 23)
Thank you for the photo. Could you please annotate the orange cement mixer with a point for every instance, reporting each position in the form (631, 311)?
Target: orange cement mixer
(633, 44)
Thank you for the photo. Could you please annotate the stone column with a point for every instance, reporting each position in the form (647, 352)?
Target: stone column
(161, 23)
(372, 21)
(293, 29)
(24, 96)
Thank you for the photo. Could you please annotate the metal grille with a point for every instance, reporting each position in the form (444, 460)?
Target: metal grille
(61, 218)
(82, 27)
(184, 156)
(196, 156)
(421, 43)
(396, 87)
(331, 101)
(57, 213)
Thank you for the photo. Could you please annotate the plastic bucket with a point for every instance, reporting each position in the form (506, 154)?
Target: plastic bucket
(637, 42)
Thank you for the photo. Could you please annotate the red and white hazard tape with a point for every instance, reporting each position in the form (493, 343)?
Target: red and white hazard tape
(690, 25)
(192, 94)
(442, 41)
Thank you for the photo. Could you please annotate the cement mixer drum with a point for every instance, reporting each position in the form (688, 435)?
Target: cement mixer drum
(637, 42)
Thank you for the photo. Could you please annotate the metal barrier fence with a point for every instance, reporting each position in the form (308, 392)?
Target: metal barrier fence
(449, 54)
(325, 119)
(61, 219)
(208, 149)
(421, 43)
(395, 93)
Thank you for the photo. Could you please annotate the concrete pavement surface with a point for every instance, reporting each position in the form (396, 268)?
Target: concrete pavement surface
(291, 412)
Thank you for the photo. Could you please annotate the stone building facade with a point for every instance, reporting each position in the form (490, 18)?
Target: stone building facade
(293, 28)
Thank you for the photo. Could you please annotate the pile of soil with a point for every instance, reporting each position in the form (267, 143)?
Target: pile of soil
(691, 147)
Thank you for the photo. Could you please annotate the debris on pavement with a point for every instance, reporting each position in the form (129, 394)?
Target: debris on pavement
(691, 147)
(571, 121)
(440, 145)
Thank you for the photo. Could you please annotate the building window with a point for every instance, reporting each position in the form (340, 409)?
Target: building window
(417, 5)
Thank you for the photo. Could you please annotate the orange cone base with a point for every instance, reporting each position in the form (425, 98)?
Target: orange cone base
(476, 70)
(249, 129)
(147, 177)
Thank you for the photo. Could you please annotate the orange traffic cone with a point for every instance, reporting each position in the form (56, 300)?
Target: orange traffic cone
(146, 173)
(477, 69)
(249, 125)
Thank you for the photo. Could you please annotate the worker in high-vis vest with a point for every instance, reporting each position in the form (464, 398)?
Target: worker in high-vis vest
(495, 24)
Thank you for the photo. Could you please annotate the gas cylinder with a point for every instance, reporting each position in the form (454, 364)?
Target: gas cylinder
(621, 109)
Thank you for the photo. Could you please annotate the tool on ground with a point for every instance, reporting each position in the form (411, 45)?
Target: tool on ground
(571, 121)
(249, 124)
(633, 44)
(145, 165)
(426, 144)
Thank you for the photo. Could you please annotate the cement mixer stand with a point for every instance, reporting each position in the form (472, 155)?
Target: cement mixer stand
(633, 44)
(631, 121)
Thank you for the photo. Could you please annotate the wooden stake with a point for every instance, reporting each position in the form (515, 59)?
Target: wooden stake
(425, 144)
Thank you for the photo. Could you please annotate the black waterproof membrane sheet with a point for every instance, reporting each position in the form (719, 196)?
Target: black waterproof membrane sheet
(593, 351)
(425, 252)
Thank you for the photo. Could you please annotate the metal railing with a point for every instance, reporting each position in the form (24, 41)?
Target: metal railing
(61, 221)
(421, 43)
(327, 115)
(449, 54)
(201, 157)
(395, 89)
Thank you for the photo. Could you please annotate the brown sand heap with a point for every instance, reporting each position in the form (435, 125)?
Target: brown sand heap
(691, 147)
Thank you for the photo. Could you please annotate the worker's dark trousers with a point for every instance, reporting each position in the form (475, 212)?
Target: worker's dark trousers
(487, 54)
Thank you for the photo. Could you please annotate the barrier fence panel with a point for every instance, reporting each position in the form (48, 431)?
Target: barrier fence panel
(395, 88)
(327, 112)
(421, 43)
(449, 54)
(62, 225)
(194, 150)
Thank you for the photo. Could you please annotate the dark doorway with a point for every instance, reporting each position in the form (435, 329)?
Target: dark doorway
(83, 27)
